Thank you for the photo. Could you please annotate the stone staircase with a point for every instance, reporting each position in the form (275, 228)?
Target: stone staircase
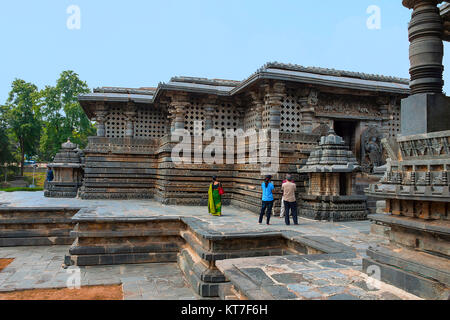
(35, 226)
(103, 240)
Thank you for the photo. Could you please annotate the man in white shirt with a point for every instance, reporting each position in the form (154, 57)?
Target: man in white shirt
(290, 202)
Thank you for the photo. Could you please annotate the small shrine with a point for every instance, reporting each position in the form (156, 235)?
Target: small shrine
(331, 195)
(67, 171)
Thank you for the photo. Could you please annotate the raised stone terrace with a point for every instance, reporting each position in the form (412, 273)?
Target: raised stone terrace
(135, 243)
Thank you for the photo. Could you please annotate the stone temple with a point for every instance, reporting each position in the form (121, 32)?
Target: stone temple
(130, 158)
(331, 124)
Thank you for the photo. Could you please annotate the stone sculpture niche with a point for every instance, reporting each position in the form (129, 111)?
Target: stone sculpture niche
(372, 155)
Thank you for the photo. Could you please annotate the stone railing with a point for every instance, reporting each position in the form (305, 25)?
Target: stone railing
(429, 145)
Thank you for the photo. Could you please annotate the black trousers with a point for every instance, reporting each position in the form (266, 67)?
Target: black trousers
(290, 208)
(266, 205)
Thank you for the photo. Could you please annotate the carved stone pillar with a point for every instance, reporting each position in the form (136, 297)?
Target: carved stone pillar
(180, 113)
(100, 118)
(426, 49)
(130, 114)
(171, 118)
(308, 104)
(210, 106)
(257, 106)
(178, 108)
(274, 100)
(427, 109)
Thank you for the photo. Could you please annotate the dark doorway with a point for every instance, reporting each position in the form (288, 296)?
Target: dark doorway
(342, 184)
(346, 130)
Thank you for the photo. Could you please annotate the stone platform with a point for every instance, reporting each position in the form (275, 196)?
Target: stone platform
(312, 277)
(36, 226)
(202, 240)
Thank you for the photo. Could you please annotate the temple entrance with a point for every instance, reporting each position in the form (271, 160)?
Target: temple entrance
(347, 130)
(342, 184)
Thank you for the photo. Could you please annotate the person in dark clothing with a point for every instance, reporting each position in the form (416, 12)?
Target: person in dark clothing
(290, 202)
(267, 199)
(49, 174)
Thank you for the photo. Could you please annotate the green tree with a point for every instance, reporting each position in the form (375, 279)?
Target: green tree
(63, 115)
(5, 143)
(23, 118)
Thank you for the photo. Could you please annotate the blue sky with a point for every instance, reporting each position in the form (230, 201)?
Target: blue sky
(137, 43)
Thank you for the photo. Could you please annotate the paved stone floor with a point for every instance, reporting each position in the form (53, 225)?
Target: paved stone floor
(355, 234)
(306, 278)
(41, 266)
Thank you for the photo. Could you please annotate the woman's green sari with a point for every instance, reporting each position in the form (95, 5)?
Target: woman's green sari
(214, 201)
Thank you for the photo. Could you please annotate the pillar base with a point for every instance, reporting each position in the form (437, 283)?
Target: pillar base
(425, 112)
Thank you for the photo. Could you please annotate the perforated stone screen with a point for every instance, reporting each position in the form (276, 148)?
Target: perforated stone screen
(150, 123)
(116, 123)
(194, 113)
(226, 117)
(290, 113)
(250, 119)
(394, 123)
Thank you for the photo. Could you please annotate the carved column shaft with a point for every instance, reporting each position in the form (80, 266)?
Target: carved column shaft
(426, 48)
(178, 108)
(308, 103)
(130, 114)
(257, 107)
(209, 112)
(274, 100)
(100, 118)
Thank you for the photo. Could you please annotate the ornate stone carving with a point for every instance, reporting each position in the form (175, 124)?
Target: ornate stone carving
(432, 145)
(371, 149)
(362, 107)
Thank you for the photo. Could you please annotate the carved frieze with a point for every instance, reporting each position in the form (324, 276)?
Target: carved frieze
(361, 107)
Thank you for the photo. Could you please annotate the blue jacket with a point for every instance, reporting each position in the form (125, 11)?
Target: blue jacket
(267, 192)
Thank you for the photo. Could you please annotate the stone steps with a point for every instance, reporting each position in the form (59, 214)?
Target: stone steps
(36, 226)
(419, 273)
(189, 241)
(124, 241)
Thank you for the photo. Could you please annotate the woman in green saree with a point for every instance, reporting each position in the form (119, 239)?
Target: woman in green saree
(214, 198)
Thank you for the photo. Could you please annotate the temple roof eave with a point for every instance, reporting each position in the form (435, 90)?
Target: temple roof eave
(325, 80)
(228, 88)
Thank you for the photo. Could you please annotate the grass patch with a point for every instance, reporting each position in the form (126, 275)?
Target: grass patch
(21, 189)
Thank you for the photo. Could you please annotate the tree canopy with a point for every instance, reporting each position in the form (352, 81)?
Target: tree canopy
(23, 118)
(34, 123)
(63, 116)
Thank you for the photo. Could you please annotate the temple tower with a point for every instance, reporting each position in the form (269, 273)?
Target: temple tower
(331, 194)
(67, 170)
